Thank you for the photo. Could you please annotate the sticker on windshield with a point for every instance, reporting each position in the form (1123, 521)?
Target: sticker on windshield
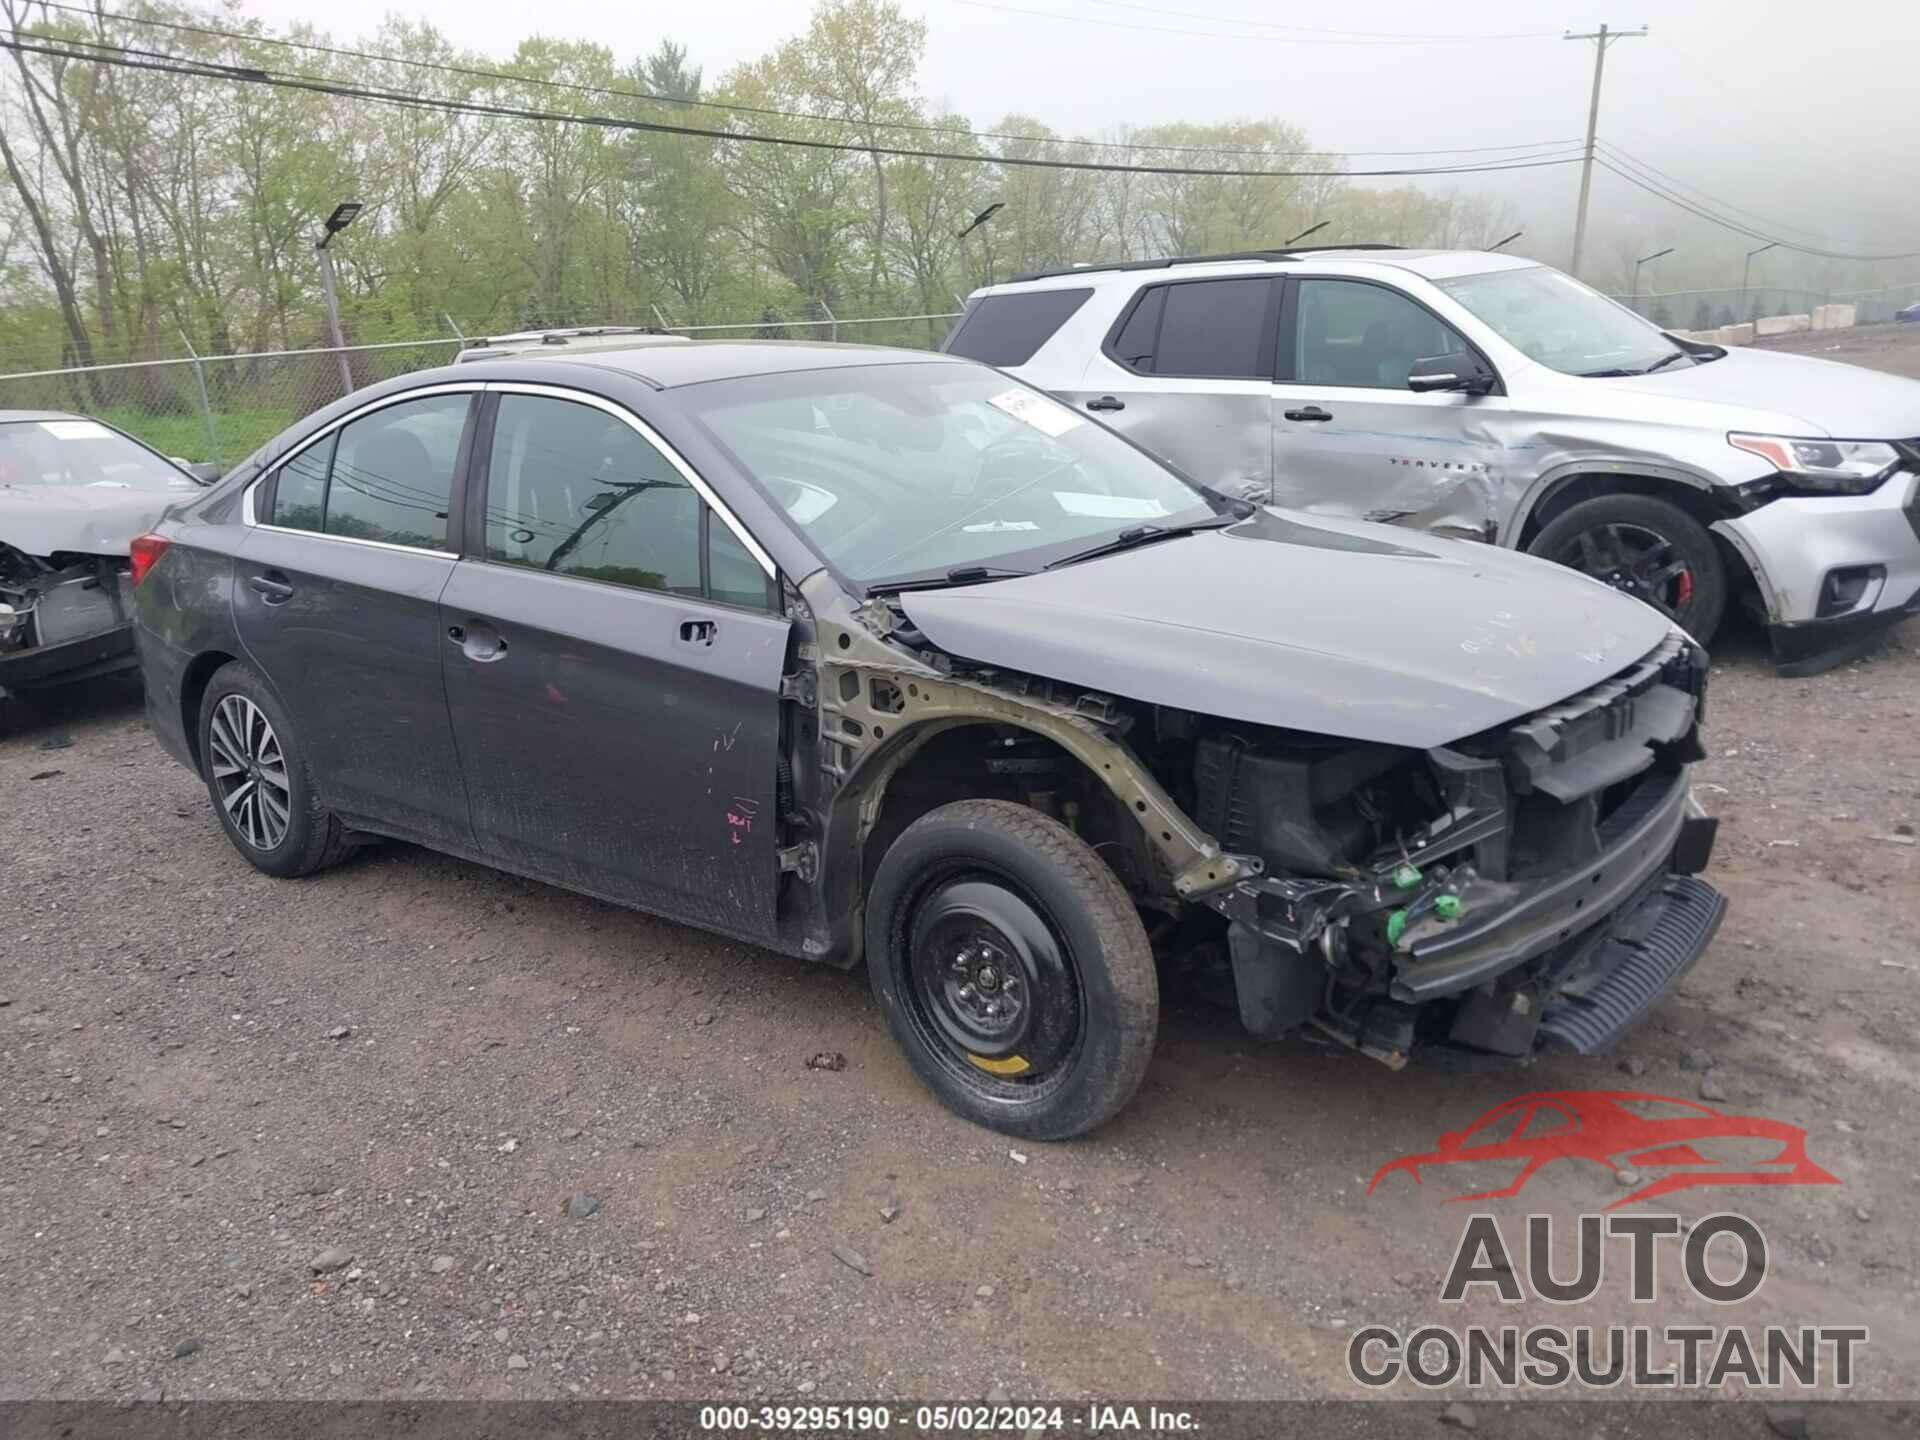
(1047, 416)
(74, 429)
(1108, 507)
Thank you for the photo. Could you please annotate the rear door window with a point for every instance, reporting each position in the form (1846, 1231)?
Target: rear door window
(387, 476)
(392, 476)
(1202, 329)
(1010, 329)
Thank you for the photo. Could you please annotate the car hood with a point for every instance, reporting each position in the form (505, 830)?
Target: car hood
(86, 519)
(1827, 397)
(1337, 627)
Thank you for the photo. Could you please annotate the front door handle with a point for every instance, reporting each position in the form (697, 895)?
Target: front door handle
(698, 632)
(1312, 412)
(1107, 402)
(271, 587)
(478, 641)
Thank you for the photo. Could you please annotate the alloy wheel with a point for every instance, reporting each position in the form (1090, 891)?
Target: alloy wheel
(250, 772)
(1635, 560)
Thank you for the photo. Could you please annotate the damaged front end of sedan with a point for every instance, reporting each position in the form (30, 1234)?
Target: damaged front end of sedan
(74, 495)
(1531, 884)
(63, 617)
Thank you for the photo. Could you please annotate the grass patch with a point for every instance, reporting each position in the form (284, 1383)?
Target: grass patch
(241, 430)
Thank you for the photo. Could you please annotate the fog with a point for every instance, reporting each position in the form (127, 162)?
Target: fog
(1807, 117)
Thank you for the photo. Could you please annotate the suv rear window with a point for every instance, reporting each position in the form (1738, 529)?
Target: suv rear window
(1008, 329)
(1218, 329)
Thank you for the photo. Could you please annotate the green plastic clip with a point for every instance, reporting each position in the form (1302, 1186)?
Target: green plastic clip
(1405, 877)
(1447, 907)
(1396, 926)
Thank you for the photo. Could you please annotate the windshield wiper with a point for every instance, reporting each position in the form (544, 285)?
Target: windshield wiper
(958, 575)
(1660, 364)
(1141, 534)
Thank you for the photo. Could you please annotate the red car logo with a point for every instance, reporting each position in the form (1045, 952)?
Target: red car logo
(1623, 1130)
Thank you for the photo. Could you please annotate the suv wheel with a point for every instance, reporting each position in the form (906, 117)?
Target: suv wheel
(1651, 549)
(257, 774)
(1013, 969)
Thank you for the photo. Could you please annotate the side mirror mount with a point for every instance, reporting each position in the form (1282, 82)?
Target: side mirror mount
(206, 472)
(1462, 371)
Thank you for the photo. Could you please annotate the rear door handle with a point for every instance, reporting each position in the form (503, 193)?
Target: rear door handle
(1312, 412)
(271, 587)
(698, 632)
(1107, 402)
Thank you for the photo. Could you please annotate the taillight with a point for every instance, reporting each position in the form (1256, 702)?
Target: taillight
(146, 551)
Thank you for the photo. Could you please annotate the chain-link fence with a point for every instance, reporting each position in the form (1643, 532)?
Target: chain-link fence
(220, 408)
(217, 407)
(1708, 309)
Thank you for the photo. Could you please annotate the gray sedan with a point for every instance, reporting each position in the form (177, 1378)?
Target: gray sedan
(882, 658)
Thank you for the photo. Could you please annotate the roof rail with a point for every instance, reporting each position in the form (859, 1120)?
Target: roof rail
(1167, 262)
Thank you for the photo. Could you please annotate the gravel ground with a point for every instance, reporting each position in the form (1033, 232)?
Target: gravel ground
(416, 1128)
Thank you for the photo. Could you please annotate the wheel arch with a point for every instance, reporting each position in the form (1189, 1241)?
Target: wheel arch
(872, 706)
(1558, 492)
(1554, 494)
(193, 689)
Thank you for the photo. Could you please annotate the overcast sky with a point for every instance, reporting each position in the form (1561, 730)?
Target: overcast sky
(1808, 114)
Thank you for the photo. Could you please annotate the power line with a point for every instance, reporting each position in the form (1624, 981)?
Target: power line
(1674, 199)
(1633, 162)
(1346, 36)
(1305, 39)
(473, 72)
(128, 58)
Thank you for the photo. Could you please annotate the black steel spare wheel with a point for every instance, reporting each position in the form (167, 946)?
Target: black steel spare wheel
(1013, 969)
(992, 982)
(1647, 548)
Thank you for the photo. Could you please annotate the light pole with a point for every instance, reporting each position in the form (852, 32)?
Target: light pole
(1747, 269)
(1311, 229)
(343, 215)
(1636, 271)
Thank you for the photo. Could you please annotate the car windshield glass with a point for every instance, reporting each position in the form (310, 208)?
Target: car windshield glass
(81, 452)
(1556, 320)
(897, 473)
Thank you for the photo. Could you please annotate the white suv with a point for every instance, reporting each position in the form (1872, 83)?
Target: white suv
(1483, 395)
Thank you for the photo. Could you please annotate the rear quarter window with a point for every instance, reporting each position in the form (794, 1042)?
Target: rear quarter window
(1010, 329)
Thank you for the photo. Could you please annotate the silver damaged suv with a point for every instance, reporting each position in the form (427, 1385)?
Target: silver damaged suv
(1488, 396)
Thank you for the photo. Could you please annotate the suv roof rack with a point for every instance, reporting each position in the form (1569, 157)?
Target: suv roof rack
(1094, 266)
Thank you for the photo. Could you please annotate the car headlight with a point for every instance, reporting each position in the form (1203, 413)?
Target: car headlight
(1841, 467)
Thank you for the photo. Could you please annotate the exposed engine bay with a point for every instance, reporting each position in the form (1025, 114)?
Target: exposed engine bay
(1523, 886)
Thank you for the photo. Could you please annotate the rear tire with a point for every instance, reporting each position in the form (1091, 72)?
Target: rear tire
(256, 771)
(1013, 969)
(1640, 539)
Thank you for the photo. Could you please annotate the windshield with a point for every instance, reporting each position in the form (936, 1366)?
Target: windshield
(81, 452)
(1556, 320)
(898, 473)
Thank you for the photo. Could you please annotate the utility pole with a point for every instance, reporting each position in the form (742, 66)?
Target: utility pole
(1747, 270)
(1602, 38)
